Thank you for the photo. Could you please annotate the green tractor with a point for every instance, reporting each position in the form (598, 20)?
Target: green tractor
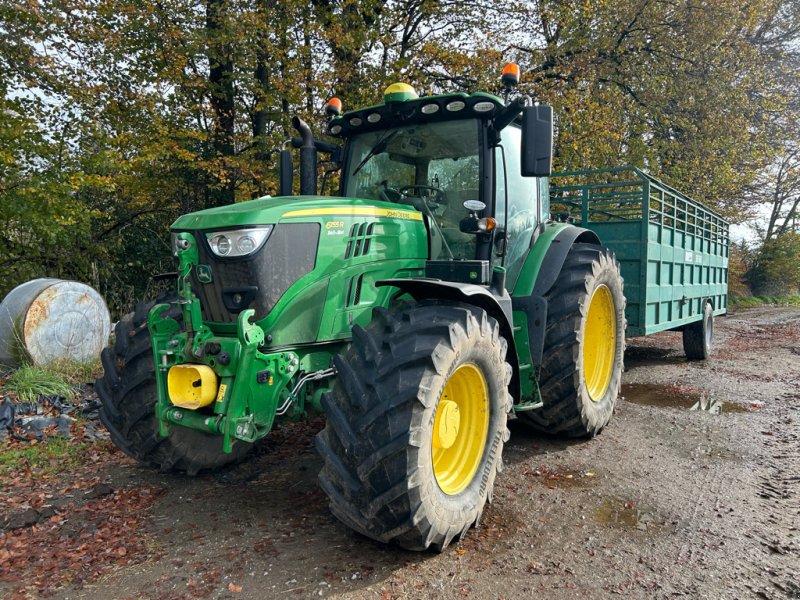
(419, 309)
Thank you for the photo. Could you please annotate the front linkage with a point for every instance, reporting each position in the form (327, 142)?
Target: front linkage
(221, 385)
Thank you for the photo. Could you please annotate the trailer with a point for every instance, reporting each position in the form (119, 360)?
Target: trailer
(672, 250)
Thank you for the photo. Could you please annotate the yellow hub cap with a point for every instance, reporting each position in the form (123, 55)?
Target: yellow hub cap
(599, 343)
(445, 426)
(459, 429)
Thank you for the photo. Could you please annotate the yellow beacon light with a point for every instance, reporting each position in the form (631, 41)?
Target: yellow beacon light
(399, 92)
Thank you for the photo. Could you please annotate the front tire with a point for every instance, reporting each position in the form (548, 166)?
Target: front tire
(416, 424)
(584, 345)
(127, 391)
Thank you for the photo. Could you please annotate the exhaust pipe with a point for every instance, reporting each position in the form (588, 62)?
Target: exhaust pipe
(286, 173)
(308, 158)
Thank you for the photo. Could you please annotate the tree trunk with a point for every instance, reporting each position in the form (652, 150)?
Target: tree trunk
(221, 90)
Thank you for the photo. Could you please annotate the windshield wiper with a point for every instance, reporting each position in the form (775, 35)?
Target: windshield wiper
(376, 149)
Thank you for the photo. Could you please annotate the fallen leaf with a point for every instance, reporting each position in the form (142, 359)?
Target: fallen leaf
(234, 587)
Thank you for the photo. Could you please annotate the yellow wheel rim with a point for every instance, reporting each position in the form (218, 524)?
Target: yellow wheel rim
(599, 343)
(459, 429)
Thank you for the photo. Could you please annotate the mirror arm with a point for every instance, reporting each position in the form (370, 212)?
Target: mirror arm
(509, 113)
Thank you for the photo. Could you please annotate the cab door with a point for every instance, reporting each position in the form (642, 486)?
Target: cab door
(522, 196)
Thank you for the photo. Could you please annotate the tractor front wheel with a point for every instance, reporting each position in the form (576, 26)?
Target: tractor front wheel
(416, 424)
(583, 346)
(127, 391)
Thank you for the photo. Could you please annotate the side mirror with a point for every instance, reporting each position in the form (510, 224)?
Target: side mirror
(537, 141)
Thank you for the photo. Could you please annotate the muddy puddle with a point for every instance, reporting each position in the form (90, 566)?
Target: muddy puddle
(562, 479)
(672, 396)
(616, 512)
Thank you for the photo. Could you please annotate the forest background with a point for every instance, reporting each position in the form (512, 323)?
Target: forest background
(118, 115)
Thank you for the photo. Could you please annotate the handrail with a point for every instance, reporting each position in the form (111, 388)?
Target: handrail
(644, 199)
(642, 176)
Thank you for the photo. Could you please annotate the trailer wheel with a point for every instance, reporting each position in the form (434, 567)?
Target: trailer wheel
(127, 391)
(416, 423)
(698, 337)
(583, 346)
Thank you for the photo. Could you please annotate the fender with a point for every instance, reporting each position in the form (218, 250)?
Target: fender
(533, 303)
(468, 293)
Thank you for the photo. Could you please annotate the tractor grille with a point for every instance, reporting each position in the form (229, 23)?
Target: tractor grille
(257, 281)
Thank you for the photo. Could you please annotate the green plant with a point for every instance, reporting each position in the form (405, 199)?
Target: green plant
(76, 373)
(53, 456)
(762, 300)
(29, 382)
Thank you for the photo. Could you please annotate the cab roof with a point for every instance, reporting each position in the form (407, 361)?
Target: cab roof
(402, 106)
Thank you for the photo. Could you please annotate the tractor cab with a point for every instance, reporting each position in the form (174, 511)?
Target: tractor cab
(431, 167)
(459, 159)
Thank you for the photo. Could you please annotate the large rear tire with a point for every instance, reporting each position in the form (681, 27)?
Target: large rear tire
(583, 347)
(127, 391)
(416, 424)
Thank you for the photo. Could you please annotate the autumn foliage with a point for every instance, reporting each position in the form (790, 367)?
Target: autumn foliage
(118, 116)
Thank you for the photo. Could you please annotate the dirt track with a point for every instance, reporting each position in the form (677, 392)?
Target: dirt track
(665, 502)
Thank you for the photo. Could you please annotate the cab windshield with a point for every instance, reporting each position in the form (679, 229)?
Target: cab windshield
(432, 167)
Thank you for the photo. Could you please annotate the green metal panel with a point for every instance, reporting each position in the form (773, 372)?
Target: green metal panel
(360, 243)
(533, 262)
(320, 306)
(673, 251)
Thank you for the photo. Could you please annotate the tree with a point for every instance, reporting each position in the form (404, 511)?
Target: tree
(117, 117)
(671, 87)
(776, 269)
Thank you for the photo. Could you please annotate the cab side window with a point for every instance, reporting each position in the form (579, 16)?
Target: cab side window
(523, 193)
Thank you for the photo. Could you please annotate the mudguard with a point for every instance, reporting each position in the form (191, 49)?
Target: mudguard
(534, 304)
(497, 307)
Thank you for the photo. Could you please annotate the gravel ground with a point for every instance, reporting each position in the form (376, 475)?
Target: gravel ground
(666, 502)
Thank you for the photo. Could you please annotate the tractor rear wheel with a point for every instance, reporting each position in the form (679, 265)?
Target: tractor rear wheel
(583, 346)
(698, 337)
(127, 391)
(416, 424)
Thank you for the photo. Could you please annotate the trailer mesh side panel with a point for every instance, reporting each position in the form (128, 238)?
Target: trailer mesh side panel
(673, 251)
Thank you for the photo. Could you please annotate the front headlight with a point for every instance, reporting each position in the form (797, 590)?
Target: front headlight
(238, 242)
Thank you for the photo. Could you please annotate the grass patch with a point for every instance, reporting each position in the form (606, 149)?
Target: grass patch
(77, 373)
(51, 457)
(29, 382)
(59, 378)
(766, 300)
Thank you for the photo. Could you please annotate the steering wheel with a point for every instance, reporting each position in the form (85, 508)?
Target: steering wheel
(388, 194)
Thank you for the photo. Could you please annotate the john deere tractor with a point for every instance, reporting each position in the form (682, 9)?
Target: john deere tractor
(419, 309)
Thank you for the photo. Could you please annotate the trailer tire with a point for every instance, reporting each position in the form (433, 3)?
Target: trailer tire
(584, 345)
(698, 337)
(416, 423)
(127, 392)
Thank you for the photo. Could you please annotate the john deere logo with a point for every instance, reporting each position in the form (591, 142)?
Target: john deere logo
(204, 274)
